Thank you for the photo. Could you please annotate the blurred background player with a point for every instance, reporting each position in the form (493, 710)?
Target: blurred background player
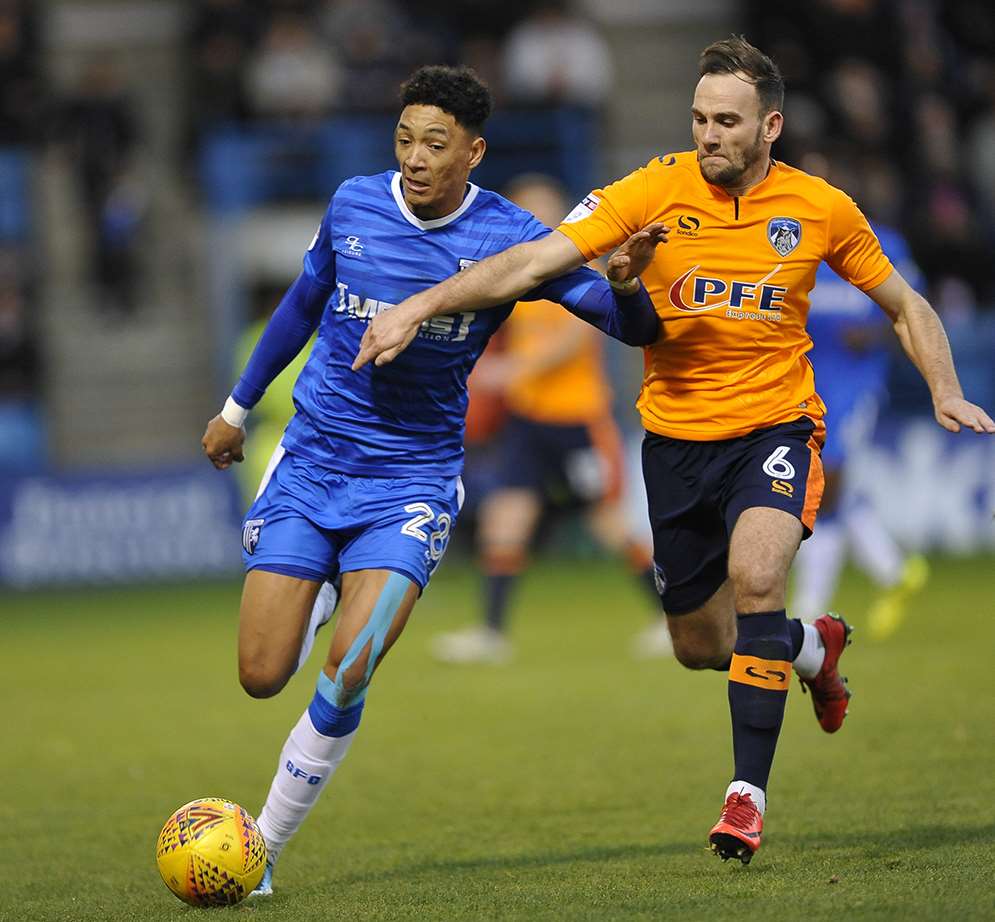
(559, 448)
(851, 356)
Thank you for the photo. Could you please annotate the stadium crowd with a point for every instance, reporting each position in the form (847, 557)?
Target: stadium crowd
(895, 102)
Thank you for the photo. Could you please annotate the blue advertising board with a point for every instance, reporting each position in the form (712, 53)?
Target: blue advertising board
(119, 527)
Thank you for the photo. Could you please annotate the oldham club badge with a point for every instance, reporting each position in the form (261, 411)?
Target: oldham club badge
(784, 234)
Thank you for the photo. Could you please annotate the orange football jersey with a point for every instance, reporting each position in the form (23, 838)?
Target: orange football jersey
(572, 392)
(731, 286)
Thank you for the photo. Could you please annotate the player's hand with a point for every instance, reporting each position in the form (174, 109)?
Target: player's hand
(222, 443)
(631, 259)
(387, 335)
(954, 412)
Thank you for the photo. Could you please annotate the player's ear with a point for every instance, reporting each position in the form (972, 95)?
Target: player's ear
(773, 123)
(477, 148)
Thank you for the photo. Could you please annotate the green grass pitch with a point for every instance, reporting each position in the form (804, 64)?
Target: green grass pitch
(574, 784)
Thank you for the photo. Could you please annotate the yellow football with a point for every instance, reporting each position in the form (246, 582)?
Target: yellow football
(211, 853)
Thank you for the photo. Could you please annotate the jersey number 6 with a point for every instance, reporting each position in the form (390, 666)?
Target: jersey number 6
(777, 466)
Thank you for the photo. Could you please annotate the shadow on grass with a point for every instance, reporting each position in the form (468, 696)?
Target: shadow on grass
(887, 843)
(529, 860)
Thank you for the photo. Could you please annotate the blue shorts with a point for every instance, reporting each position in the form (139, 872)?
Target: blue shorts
(314, 524)
(697, 491)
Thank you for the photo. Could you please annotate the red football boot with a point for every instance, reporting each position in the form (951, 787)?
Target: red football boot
(830, 695)
(737, 833)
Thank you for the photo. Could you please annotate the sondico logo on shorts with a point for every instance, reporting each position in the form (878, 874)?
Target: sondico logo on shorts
(781, 469)
(583, 209)
(695, 293)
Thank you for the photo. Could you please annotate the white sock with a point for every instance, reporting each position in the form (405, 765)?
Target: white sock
(324, 606)
(744, 787)
(307, 762)
(875, 549)
(817, 570)
(808, 662)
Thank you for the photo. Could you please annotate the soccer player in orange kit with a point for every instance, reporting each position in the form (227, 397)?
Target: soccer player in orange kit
(733, 422)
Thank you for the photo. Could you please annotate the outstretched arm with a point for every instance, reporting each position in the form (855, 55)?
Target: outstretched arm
(496, 280)
(922, 337)
(287, 332)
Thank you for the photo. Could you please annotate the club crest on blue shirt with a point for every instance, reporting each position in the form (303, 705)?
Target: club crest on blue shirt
(784, 234)
(250, 534)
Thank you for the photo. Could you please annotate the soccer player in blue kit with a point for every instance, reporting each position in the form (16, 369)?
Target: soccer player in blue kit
(365, 486)
(851, 359)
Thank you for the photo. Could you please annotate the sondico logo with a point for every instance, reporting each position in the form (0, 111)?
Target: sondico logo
(688, 225)
(758, 300)
(771, 673)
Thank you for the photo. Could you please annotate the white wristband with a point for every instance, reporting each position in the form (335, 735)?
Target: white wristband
(233, 414)
(625, 288)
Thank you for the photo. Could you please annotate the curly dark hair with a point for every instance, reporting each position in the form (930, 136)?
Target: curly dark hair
(736, 55)
(456, 90)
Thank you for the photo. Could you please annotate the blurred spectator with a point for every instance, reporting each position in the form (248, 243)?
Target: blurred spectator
(554, 57)
(20, 82)
(378, 46)
(907, 90)
(20, 424)
(220, 36)
(99, 127)
(293, 73)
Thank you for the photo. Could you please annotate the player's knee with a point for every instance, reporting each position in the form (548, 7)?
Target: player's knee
(699, 653)
(260, 680)
(756, 584)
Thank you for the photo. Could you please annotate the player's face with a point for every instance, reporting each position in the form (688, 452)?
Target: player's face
(435, 155)
(731, 135)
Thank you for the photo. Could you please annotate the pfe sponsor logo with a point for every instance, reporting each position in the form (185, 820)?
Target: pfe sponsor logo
(694, 293)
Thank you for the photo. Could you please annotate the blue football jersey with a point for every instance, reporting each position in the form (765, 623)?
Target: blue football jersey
(838, 308)
(405, 418)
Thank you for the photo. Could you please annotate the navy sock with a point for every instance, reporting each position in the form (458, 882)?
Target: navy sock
(797, 636)
(497, 588)
(758, 689)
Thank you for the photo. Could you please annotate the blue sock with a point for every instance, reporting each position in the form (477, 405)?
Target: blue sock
(758, 689)
(328, 718)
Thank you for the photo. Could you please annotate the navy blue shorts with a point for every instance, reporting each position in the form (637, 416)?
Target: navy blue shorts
(566, 465)
(697, 491)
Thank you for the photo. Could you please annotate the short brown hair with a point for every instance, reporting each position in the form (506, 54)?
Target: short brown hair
(736, 55)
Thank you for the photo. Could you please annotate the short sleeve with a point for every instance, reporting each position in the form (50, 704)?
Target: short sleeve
(607, 217)
(319, 260)
(853, 250)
